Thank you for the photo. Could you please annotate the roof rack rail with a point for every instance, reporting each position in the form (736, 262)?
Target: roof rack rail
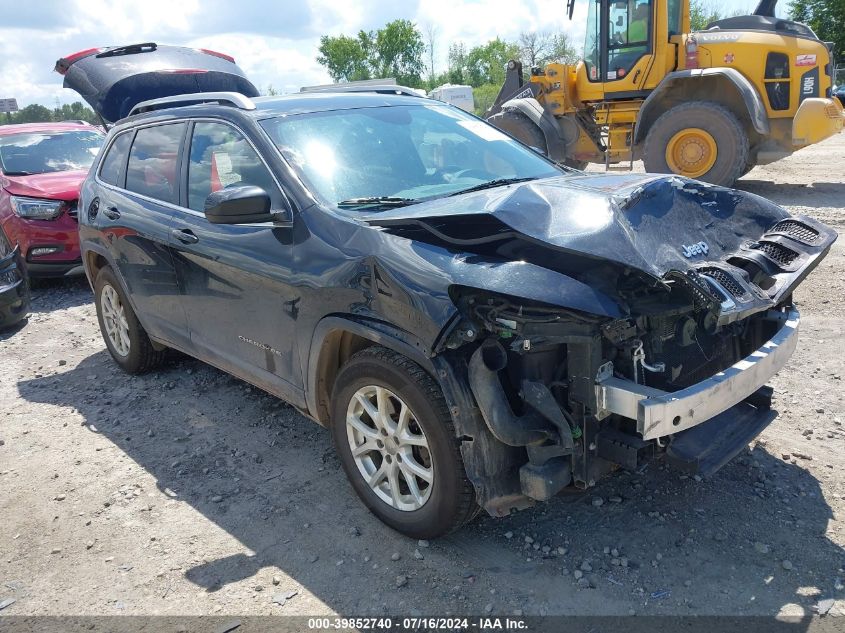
(380, 88)
(235, 99)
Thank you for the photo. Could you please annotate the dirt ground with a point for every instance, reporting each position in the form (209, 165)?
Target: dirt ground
(189, 492)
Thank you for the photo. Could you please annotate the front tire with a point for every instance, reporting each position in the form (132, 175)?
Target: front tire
(701, 140)
(395, 439)
(125, 337)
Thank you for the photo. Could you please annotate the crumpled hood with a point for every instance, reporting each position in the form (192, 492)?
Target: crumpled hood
(59, 185)
(726, 247)
(650, 222)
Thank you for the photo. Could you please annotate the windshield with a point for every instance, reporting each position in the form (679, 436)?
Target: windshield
(400, 154)
(42, 152)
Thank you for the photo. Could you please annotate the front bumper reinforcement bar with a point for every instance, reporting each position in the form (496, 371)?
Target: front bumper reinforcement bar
(661, 413)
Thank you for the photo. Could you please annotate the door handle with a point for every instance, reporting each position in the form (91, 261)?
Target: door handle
(111, 213)
(186, 236)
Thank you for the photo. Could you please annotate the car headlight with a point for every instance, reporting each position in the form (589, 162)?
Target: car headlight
(37, 209)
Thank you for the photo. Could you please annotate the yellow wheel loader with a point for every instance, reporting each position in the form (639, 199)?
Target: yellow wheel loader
(710, 105)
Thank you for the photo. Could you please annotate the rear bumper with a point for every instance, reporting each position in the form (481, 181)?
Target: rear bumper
(14, 290)
(815, 120)
(660, 413)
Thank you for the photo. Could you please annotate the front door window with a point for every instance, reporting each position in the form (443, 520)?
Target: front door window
(627, 36)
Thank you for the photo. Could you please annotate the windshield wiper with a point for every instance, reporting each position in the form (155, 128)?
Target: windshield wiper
(17, 173)
(375, 201)
(498, 182)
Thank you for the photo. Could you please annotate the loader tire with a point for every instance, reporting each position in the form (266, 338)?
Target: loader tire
(528, 133)
(701, 140)
(521, 128)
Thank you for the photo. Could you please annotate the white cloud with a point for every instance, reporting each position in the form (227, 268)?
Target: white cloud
(275, 43)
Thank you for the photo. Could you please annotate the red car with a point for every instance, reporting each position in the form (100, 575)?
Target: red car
(42, 166)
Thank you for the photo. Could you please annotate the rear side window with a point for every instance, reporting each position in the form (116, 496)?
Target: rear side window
(113, 169)
(221, 157)
(154, 162)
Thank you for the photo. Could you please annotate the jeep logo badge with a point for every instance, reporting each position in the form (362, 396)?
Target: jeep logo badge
(693, 250)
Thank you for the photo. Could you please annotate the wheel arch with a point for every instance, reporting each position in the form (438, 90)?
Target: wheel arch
(94, 263)
(725, 86)
(94, 260)
(335, 340)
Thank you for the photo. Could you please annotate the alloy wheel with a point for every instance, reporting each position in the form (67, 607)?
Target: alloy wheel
(114, 320)
(389, 448)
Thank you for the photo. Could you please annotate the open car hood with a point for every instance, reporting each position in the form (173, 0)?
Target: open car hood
(114, 80)
(749, 249)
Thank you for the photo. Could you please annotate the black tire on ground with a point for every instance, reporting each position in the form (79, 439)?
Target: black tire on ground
(451, 501)
(526, 132)
(142, 356)
(732, 145)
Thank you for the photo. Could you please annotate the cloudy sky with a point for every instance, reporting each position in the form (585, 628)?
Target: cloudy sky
(274, 42)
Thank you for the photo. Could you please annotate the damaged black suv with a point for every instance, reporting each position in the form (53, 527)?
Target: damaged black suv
(478, 327)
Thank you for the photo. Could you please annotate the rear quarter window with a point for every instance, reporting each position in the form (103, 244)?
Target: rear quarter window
(113, 169)
(153, 165)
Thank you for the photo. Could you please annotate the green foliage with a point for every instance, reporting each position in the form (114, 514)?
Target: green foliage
(703, 12)
(484, 97)
(538, 48)
(37, 113)
(346, 58)
(457, 73)
(825, 17)
(393, 51)
(399, 50)
(486, 64)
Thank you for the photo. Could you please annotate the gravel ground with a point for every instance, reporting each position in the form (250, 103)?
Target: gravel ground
(189, 492)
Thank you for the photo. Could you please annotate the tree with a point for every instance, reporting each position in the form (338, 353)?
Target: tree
(346, 58)
(37, 113)
(457, 73)
(33, 113)
(393, 51)
(703, 12)
(430, 47)
(562, 50)
(486, 64)
(399, 50)
(538, 48)
(75, 111)
(825, 17)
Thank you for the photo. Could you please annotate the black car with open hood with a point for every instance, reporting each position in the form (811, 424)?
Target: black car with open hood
(115, 79)
(478, 326)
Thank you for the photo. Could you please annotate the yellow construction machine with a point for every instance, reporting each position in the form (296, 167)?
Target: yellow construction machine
(710, 105)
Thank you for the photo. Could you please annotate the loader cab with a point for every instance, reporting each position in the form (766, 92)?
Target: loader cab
(620, 44)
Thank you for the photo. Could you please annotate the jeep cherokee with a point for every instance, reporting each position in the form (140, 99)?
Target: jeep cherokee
(478, 327)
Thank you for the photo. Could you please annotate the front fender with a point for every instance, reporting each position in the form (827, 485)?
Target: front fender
(378, 332)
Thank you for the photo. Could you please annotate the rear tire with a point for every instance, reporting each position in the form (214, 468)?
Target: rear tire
(701, 140)
(417, 483)
(125, 337)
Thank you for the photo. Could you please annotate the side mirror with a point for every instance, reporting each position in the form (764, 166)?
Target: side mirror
(245, 204)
